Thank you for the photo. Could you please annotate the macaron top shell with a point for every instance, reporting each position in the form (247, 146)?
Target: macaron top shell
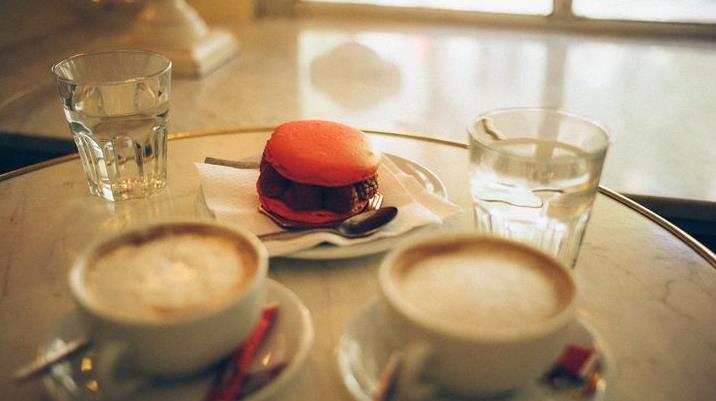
(322, 153)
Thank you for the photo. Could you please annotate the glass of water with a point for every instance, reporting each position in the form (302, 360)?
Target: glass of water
(117, 106)
(534, 175)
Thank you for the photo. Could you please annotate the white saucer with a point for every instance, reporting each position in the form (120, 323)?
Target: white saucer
(425, 178)
(363, 351)
(291, 336)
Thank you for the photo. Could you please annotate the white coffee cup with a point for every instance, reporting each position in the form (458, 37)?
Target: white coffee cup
(492, 313)
(168, 299)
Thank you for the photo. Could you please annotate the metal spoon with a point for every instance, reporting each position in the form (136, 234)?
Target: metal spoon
(43, 362)
(272, 357)
(360, 225)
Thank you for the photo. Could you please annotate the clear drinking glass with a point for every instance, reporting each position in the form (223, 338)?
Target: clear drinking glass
(117, 107)
(534, 175)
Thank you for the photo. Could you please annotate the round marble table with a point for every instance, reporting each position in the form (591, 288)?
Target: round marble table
(650, 290)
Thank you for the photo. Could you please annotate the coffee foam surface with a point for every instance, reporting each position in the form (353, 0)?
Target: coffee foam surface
(486, 287)
(171, 275)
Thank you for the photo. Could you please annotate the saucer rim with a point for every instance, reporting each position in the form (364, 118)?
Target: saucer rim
(351, 384)
(304, 347)
(273, 288)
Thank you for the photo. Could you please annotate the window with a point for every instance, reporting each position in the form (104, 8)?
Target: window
(698, 11)
(665, 16)
(529, 7)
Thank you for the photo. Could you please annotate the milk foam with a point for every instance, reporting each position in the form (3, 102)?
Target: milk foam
(172, 275)
(483, 289)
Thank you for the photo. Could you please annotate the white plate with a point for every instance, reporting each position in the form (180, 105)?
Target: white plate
(291, 336)
(363, 351)
(425, 177)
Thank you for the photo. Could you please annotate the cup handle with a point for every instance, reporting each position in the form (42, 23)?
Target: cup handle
(115, 381)
(413, 381)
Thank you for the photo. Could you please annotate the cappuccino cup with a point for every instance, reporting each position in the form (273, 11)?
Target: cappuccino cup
(168, 299)
(493, 314)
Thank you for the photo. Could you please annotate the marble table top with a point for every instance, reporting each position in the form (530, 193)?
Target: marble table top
(650, 292)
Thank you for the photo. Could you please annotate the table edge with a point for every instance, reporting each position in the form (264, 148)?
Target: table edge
(694, 244)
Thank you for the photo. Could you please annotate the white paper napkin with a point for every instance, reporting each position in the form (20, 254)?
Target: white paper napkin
(230, 194)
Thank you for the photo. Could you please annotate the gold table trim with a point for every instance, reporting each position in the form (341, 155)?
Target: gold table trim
(698, 247)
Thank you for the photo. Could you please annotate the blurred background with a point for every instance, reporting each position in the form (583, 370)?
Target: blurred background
(644, 68)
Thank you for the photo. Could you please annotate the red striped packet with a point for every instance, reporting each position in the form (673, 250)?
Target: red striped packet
(234, 372)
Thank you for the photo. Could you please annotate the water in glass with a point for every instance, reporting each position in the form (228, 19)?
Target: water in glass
(534, 186)
(124, 156)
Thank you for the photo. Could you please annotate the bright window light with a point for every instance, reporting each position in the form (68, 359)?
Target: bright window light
(669, 11)
(528, 7)
(700, 11)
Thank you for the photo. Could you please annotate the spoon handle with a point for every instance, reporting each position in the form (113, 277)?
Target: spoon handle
(43, 362)
(286, 235)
